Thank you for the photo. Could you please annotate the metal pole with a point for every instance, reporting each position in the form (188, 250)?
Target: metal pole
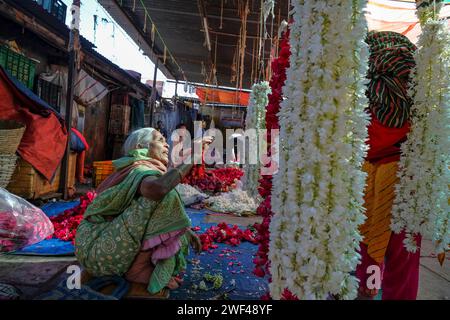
(153, 98)
(176, 87)
(74, 45)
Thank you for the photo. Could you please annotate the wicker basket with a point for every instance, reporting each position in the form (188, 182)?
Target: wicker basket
(11, 133)
(7, 166)
(27, 183)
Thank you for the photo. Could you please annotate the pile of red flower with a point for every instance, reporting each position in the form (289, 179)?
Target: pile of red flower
(216, 180)
(67, 223)
(222, 233)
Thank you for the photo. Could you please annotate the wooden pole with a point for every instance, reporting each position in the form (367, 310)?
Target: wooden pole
(74, 46)
(153, 98)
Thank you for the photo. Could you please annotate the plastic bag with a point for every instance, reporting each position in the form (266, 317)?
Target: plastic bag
(21, 223)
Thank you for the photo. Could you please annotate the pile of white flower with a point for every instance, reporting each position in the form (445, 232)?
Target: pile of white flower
(255, 119)
(317, 195)
(237, 202)
(421, 204)
(189, 194)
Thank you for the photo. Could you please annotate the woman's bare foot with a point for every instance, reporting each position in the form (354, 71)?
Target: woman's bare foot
(141, 269)
(178, 279)
(173, 284)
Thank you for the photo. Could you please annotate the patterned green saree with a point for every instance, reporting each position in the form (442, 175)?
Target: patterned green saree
(118, 221)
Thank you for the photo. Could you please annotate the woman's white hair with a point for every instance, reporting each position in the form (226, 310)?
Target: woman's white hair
(138, 139)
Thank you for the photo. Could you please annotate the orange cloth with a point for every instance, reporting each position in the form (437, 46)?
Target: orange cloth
(207, 95)
(379, 197)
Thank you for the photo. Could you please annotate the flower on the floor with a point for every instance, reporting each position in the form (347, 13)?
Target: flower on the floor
(222, 233)
(237, 202)
(66, 224)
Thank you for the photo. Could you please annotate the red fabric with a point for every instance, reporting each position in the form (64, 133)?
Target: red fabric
(385, 142)
(45, 139)
(79, 135)
(399, 273)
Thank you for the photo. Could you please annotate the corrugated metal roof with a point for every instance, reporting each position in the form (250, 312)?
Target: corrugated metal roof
(180, 26)
(52, 23)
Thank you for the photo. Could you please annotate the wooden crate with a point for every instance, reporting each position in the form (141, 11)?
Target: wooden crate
(27, 183)
(119, 122)
(102, 169)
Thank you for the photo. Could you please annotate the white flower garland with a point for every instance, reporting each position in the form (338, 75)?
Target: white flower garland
(317, 195)
(255, 119)
(189, 194)
(236, 201)
(421, 203)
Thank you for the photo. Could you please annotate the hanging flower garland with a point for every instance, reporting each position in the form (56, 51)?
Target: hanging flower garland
(255, 120)
(317, 193)
(421, 204)
(277, 81)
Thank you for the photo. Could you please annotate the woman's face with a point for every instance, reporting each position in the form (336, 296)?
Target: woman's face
(159, 149)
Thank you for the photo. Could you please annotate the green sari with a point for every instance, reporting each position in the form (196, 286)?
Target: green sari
(109, 247)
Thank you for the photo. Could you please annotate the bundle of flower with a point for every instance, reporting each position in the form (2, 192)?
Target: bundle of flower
(189, 194)
(216, 180)
(22, 227)
(277, 81)
(66, 224)
(421, 205)
(317, 194)
(222, 233)
(237, 202)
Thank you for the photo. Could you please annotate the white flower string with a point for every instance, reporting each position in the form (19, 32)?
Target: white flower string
(255, 119)
(421, 203)
(317, 195)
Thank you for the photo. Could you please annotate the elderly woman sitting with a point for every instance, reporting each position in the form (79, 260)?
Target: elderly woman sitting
(137, 226)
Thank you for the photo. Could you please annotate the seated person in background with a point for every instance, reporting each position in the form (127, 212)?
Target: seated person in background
(137, 226)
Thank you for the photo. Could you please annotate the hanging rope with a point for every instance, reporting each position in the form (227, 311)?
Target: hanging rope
(243, 40)
(221, 14)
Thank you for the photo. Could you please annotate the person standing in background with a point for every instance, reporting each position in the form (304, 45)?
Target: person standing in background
(390, 64)
(160, 127)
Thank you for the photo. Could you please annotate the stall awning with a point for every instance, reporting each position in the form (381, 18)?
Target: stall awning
(398, 16)
(209, 95)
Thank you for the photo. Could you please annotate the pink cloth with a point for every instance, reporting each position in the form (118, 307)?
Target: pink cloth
(399, 272)
(164, 246)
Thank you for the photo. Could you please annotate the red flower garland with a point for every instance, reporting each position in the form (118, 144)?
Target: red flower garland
(261, 261)
(66, 224)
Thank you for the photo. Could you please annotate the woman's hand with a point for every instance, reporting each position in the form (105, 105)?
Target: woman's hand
(205, 141)
(201, 144)
(194, 241)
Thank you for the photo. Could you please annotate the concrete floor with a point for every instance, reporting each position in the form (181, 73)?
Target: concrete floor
(34, 275)
(434, 283)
